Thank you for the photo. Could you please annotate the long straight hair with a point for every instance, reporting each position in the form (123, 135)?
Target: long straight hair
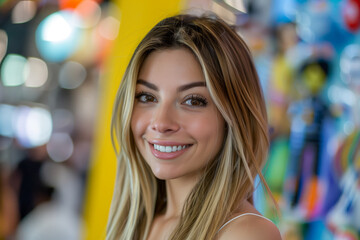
(234, 86)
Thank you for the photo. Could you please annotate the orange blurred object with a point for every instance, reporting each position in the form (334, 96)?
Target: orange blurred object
(71, 4)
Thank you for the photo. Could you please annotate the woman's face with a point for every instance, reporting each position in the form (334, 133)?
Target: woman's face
(176, 125)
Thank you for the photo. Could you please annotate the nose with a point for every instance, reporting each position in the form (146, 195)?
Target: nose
(164, 119)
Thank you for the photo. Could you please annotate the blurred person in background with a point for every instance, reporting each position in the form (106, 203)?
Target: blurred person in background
(30, 187)
(57, 217)
(191, 123)
(48, 198)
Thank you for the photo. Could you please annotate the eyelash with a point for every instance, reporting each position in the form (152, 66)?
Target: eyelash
(202, 101)
(144, 94)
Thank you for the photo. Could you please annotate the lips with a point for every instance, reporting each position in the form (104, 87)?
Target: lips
(168, 151)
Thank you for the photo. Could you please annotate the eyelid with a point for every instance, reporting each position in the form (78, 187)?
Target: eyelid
(198, 97)
(142, 93)
(139, 93)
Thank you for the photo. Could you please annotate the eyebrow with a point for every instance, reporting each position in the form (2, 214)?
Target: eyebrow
(191, 85)
(179, 89)
(147, 84)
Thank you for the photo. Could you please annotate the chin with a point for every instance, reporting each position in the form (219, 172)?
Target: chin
(165, 175)
(171, 174)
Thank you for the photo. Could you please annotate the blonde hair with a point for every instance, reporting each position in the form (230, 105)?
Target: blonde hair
(234, 87)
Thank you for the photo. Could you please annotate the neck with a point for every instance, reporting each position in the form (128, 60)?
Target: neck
(177, 191)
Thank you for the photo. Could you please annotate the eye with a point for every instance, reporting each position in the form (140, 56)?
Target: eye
(195, 101)
(145, 97)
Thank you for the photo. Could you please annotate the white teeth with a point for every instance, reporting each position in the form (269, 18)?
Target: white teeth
(162, 148)
(169, 149)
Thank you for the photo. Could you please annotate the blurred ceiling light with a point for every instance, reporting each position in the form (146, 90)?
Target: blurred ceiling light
(33, 126)
(60, 147)
(19, 125)
(57, 36)
(36, 72)
(23, 11)
(12, 70)
(90, 12)
(7, 116)
(56, 28)
(72, 75)
(109, 28)
(39, 126)
(3, 44)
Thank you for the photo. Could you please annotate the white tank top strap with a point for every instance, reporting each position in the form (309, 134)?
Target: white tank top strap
(241, 215)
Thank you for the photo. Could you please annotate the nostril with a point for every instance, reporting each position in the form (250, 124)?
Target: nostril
(165, 126)
(164, 118)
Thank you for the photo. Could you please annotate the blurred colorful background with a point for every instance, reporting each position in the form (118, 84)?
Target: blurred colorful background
(60, 65)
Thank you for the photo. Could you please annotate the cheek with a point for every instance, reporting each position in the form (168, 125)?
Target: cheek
(209, 129)
(138, 123)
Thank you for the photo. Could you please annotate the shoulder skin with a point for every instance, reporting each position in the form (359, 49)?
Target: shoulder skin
(250, 228)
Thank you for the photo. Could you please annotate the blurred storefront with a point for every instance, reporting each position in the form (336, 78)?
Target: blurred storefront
(60, 65)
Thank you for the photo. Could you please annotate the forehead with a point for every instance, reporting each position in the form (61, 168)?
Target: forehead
(171, 65)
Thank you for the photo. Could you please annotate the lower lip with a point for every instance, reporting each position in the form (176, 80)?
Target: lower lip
(167, 155)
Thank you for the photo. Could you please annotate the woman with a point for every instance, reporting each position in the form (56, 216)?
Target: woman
(190, 121)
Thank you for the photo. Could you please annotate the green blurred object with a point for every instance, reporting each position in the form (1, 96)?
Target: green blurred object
(2, 2)
(275, 168)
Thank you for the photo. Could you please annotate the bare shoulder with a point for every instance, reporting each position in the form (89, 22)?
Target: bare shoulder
(250, 227)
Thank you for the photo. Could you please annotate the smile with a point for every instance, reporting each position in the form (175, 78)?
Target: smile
(169, 149)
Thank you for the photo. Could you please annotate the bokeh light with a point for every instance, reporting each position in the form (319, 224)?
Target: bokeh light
(341, 95)
(90, 12)
(109, 28)
(57, 36)
(351, 14)
(33, 126)
(7, 116)
(350, 64)
(71, 75)
(60, 147)
(12, 70)
(36, 72)
(23, 11)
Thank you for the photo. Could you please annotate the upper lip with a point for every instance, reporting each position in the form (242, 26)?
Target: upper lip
(167, 143)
